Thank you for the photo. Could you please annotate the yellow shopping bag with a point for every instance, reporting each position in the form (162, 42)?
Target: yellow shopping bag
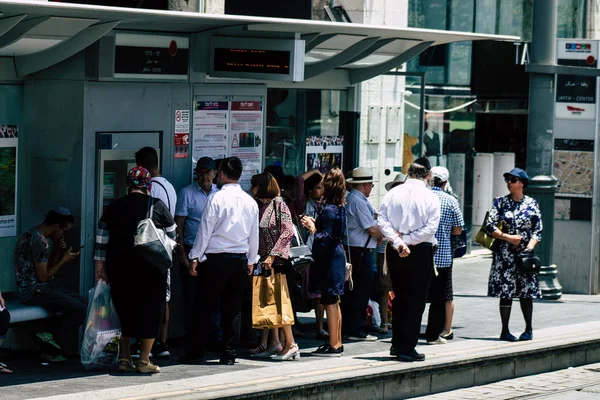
(271, 303)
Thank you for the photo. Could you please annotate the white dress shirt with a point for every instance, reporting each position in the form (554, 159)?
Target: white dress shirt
(411, 209)
(229, 225)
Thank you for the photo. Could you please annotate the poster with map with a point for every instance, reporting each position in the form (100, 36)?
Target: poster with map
(575, 173)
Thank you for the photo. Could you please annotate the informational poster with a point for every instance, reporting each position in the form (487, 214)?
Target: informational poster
(246, 120)
(8, 179)
(576, 95)
(182, 133)
(324, 152)
(110, 179)
(211, 130)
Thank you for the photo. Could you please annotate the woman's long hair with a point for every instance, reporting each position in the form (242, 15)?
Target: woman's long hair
(266, 186)
(335, 187)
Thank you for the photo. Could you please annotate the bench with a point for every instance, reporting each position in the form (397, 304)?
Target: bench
(23, 313)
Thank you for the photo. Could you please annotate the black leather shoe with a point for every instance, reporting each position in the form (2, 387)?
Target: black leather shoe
(191, 359)
(227, 360)
(410, 357)
(393, 351)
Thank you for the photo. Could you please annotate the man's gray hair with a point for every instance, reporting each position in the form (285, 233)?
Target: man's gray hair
(417, 171)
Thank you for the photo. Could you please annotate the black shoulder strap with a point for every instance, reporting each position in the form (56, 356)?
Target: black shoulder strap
(150, 210)
(167, 193)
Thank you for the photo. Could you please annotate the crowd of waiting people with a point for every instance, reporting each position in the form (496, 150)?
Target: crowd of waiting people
(224, 233)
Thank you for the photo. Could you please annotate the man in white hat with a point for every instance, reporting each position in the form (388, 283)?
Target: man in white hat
(441, 310)
(362, 239)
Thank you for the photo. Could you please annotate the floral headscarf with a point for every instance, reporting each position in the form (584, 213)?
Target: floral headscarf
(139, 178)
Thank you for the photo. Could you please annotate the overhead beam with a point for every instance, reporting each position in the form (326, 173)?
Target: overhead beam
(320, 39)
(18, 31)
(561, 70)
(358, 75)
(309, 37)
(6, 24)
(30, 63)
(364, 46)
(377, 46)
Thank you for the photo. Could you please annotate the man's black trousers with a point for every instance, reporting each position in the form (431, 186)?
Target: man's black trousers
(355, 302)
(411, 277)
(223, 276)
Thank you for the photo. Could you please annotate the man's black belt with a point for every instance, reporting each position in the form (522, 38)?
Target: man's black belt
(233, 256)
(361, 249)
(424, 244)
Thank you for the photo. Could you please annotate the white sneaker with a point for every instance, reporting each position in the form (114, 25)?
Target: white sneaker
(362, 338)
(440, 340)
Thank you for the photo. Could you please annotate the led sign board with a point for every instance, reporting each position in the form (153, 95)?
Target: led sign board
(252, 58)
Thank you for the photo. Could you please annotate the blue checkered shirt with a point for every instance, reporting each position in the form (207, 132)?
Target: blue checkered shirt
(450, 217)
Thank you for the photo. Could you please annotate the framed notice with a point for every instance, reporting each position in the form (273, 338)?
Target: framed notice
(8, 179)
(246, 127)
(576, 95)
(324, 152)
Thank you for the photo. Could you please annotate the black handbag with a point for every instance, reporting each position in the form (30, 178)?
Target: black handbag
(459, 244)
(528, 262)
(300, 254)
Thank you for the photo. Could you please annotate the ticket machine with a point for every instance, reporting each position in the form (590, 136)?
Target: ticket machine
(116, 156)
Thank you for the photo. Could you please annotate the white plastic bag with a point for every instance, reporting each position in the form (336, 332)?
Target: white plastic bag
(376, 318)
(100, 347)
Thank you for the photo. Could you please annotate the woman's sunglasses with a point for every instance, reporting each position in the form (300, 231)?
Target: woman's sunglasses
(511, 179)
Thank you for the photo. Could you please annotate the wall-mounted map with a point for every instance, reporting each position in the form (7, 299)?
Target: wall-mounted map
(575, 172)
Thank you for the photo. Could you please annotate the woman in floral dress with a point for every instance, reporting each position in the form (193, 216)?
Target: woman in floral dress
(523, 231)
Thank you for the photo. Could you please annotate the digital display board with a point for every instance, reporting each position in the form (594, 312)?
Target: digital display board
(257, 58)
(148, 56)
(252, 60)
(150, 60)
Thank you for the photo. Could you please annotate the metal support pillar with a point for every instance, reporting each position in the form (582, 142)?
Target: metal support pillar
(540, 136)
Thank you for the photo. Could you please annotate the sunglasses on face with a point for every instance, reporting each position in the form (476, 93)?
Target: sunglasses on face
(511, 179)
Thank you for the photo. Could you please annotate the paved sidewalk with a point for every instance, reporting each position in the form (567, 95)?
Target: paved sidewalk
(476, 327)
(579, 383)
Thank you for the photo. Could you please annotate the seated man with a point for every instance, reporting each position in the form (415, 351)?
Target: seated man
(35, 269)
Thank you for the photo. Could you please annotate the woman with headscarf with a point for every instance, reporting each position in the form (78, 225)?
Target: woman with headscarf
(137, 287)
(523, 221)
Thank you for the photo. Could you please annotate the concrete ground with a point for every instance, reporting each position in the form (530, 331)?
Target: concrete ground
(476, 326)
(579, 383)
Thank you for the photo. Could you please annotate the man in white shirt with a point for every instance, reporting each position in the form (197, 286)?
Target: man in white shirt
(409, 215)
(162, 189)
(224, 252)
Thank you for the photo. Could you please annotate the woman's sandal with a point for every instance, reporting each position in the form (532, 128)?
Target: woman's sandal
(258, 349)
(4, 369)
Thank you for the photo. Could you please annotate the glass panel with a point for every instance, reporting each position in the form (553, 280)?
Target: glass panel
(570, 19)
(412, 124)
(459, 64)
(292, 116)
(485, 19)
(448, 140)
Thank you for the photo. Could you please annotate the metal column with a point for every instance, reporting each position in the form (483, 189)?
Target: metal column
(540, 136)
